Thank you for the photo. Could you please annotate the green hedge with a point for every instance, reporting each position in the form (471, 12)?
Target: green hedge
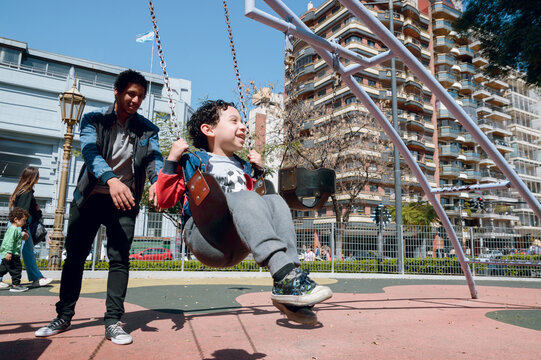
(424, 266)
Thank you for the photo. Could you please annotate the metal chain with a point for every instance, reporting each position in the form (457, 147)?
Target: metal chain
(164, 68)
(237, 73)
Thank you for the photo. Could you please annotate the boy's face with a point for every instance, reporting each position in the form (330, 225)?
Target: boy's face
(19, 222)
(229, 133)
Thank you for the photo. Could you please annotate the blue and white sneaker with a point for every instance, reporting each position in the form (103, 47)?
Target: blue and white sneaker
(298, 289)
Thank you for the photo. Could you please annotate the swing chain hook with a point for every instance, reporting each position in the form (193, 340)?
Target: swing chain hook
(163, 65)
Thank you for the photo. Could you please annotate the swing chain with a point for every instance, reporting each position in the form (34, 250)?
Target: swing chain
(235, 63)
(164, 68)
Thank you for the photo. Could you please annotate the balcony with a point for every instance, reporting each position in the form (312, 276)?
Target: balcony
(449, 171)
(473, 176)
(479, 61)
(467, 68)
(468, 87)
(445, 60)
(411, 81)
(467, 102)
(411, 29)
(497, 84)
(498, 100)
(447, 133)
(413, 45)
(480, 94)
(305, 88)
(445, 78)
(499, 116)
(409, 8)
(445, 114)
(443, 44)
(414, 103)
(415, 123)
(465, 53)
(476, 45)
(480, 77)
(468, 139)
(471, 157)
(442, 27)
(449, 151)
(441, 10)
(398, 19)
(485, 125)
(503, 147)
(483, 111)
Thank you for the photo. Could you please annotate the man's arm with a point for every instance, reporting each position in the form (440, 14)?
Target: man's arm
(155, 159)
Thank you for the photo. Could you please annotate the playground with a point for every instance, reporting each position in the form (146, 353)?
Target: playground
(232, 318)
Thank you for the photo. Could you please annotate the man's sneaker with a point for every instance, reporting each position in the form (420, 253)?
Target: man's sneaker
(44, 281)
(3, 285)
(298, 289)
(300, 314)
(117, 335)
(56, 326)
(18, 288)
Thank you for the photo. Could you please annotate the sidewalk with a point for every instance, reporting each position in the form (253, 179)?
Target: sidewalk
(233, 318)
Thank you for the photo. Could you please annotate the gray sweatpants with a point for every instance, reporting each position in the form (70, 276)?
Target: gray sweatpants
(264, 225)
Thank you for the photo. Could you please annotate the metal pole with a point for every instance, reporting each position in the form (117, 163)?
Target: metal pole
(396, 154)
(150, 82)
(332, 248)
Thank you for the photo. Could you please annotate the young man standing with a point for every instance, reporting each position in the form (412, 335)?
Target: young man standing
(120, 148)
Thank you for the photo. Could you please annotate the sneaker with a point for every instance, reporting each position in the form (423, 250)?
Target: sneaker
(44, 281)
(18, 288)
(117, 335)
(56, 326)
(3, 285)
(300, 314)
(298, 289)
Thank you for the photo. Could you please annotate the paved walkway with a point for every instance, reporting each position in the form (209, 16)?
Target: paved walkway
(233, 318)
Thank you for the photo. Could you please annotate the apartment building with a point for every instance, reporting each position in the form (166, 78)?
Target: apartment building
(447, 154)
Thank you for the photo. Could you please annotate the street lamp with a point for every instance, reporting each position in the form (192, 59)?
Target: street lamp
(72, 103)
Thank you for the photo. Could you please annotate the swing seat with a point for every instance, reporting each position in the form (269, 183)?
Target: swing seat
(214, 220)
(304, 189)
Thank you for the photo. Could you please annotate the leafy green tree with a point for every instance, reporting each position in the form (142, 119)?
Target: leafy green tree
(416, 214)
(510, 35)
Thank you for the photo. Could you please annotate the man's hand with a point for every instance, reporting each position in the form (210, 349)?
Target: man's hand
(25, 235)
(255, 158)
(8, 256)
(121, 194)
(177, 149)
(152, 197)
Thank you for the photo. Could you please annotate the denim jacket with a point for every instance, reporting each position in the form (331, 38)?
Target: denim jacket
(96, 146)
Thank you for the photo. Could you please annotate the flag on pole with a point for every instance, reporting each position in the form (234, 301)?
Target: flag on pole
(149, 36)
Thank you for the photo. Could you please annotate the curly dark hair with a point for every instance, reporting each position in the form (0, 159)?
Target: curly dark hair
(18, 213)
(130, 77)
(208, 113)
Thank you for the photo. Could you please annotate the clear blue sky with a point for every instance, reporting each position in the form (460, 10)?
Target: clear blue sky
(193, 33)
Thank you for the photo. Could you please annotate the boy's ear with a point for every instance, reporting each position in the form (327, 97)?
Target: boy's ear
(207, 130)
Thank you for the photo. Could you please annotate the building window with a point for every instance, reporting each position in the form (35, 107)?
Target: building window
(371, 83)
(351, 100)
(9, 56)
(321, 92)
(371, 43)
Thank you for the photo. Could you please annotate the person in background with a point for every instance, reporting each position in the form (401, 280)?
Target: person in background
(23, 197)
(10, 250)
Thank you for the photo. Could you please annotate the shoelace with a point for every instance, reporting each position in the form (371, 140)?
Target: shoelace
(56, 323)
(117, 329)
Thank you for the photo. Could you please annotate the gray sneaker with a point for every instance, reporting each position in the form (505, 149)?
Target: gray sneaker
(54, 327)
(117, 335)
(298, 289)
(18, 288)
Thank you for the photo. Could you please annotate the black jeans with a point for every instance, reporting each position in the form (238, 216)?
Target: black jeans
(13, 267)
(84, 223)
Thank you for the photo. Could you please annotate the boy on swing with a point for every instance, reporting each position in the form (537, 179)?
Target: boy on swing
(263, 223)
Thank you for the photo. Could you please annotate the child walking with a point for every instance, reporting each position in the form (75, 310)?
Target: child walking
(264, 222)
(10, 250)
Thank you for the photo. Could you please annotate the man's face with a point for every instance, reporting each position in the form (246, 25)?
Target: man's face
(130, 99)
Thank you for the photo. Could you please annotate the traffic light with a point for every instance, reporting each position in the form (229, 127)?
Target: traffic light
(481, 203)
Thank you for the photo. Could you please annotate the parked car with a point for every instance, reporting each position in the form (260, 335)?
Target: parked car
(491, 254)
(153, 254)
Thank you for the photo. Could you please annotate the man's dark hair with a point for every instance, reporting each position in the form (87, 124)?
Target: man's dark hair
(208, 113)
(130, 77)
(18, 213)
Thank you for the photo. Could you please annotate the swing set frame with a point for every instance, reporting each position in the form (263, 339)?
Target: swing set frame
(331, 52)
